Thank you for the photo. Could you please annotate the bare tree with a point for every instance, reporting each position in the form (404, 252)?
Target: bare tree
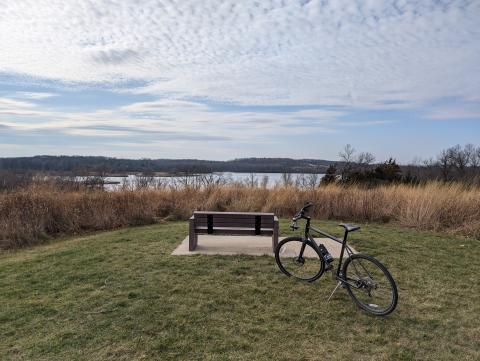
(347, 156)
(365, 158)
(477, 157)
(473, 154)
(459, 159)
(476, 165)
(313, 180)
(300, 180)
(445, 162)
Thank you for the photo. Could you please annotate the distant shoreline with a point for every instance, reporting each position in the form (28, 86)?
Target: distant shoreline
(79, 165)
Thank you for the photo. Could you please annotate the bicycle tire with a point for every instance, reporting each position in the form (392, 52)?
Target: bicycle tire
(371, 307)
(281, 258)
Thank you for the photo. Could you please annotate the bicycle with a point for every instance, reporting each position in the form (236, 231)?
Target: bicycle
(367, 280)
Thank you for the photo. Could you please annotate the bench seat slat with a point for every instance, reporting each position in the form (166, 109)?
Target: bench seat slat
(239, 232)
(233, 223)
(220, 216)
(233, 229)
(246, 214)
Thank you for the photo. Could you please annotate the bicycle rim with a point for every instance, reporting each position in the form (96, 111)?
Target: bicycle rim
(370, 285)
(308, 267)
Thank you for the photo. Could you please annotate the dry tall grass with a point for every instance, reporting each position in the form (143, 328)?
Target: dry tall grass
(31, 215)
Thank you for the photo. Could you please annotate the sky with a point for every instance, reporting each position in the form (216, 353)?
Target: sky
(228, 79)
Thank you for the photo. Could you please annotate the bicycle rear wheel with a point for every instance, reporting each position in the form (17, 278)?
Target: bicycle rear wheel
(307, 266)
(370, 284)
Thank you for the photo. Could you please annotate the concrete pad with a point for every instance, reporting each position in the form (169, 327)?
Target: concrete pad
(247, 245)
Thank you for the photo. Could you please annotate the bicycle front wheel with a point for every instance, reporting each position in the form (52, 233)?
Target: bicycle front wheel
(299, 258)
(370, 284)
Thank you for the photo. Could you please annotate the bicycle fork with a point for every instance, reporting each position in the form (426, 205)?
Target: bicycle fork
(300, 258)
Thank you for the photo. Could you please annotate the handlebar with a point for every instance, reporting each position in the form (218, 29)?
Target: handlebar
(300, 215)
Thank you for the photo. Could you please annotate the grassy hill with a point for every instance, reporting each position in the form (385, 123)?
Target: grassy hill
(120, 295)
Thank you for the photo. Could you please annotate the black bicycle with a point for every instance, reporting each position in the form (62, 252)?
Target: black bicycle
(367, 280)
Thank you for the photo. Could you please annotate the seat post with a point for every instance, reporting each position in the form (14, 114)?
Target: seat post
(345, 235)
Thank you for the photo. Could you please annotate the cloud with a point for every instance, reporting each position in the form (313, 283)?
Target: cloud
(114, 56)
(8, 103)
(34, 95)
(162, 105)
(161, 121)
(369, 54)
(454, 109)
(248, 77)
(14, 107)
(455, 112)
(140, 135)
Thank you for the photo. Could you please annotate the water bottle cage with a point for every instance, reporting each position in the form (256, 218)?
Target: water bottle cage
(326, 255)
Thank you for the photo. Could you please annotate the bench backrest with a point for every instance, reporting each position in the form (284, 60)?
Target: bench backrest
(255, 220)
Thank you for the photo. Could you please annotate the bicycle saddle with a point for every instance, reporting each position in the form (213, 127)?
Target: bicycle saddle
(349, 227)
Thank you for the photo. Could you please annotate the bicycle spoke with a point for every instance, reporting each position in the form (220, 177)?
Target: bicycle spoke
(299, 259)
(372, 288)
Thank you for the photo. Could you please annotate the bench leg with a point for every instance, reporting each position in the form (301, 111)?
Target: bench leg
(275, 236)
(192, 236)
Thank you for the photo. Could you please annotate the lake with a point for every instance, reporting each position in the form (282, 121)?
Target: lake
(268, 180)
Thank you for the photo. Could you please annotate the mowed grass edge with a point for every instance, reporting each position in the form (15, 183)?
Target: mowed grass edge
(121, 295)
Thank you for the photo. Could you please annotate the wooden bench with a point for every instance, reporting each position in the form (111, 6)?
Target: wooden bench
(232, 223)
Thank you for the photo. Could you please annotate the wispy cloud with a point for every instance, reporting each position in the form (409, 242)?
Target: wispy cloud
(469, 109)
(175, 118)
(375, 54)
(33, 95)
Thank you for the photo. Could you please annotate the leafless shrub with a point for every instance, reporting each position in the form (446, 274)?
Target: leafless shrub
(286, 180)
(313, 180)
(264, 182)
(251, 181)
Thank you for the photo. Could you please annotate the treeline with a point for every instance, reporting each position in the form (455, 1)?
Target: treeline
(456, 163)
(82, 165)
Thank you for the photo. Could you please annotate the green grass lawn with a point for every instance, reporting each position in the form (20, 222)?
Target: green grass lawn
(121, 295)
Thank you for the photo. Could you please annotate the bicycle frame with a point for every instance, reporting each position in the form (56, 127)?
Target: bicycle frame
(333, 238)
